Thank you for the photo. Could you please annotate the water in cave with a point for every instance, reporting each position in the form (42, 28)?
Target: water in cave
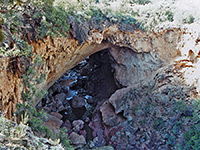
(80, 91)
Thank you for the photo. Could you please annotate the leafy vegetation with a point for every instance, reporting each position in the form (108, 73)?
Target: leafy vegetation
(192, 138)
(171, 140)
(189, 20)
(94, 12)
(141, 2)
(63, 136)
(8, 5)
(53, 22)
(19, 136)
(158, 124)
(5, 7)
(30, 81)
(180, 106)
(192, 135)
(170, 16)
(33, 117)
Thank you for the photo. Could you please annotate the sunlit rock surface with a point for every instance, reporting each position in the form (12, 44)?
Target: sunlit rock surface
(156, 74)
(145, 51)
(137, 55)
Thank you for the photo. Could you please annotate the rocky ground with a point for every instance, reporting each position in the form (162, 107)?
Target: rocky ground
(75, 98)
(138, 94)
(20, 136)
(97, 111)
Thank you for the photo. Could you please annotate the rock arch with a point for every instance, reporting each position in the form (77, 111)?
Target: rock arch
(62, 53)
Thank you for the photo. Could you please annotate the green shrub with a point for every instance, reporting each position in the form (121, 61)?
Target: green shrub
(53, 22)
(158, 124)
(171, 140)
(180, 106)
(63, 136)
(96, 13)
(192, 138)
(141, 2)
(197, 105)
(189, 20)
(170, 16)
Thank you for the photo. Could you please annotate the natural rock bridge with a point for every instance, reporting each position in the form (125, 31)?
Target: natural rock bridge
(148, 53)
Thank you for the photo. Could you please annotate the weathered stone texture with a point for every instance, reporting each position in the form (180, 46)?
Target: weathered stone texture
(137, 55)
(10, 87)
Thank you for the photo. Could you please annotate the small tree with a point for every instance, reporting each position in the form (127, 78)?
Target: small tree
(5, 7)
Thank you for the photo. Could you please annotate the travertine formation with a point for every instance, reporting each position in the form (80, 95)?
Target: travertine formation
(10, 86)
(61, 54)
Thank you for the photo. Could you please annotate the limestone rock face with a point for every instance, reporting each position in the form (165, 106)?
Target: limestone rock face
(140, 61)
(137, 56)
(133, 68)
(10, 86)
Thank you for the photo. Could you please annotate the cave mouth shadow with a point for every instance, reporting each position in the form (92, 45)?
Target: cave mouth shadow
(82, 89)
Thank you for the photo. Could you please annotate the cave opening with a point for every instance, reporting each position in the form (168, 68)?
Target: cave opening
(80, 92)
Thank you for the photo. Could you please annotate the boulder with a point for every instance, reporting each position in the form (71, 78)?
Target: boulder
(77, 125)
(118, 107)
(68, 125)
(104, 148)
(60, 98)
(76, 139)
(78, 102)
(56, 114)
(121, 100)
(53, 122)
(56, 88)
(109, 117)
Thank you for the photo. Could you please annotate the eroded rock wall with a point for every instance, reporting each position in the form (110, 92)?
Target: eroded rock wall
(10, 86)
(137, 55)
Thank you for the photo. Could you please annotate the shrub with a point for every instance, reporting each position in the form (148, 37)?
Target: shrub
(170, 16)
(158, 124)
(192, 138)
(63, 136)
(189, 20)
(53, 22)
(141, 2)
